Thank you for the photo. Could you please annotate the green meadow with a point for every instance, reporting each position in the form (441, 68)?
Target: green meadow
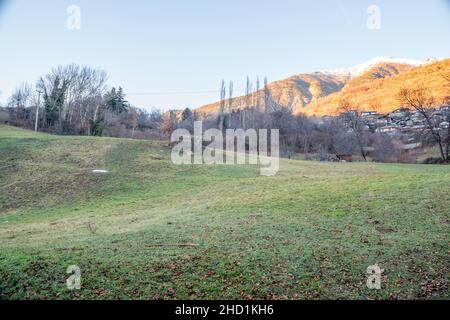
(153, 230)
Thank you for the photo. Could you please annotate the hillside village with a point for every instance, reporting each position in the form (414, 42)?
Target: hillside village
(404, 120)
(405, 124)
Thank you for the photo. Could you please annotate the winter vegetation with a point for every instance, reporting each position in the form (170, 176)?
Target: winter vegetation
(75, 100)
(404, 135)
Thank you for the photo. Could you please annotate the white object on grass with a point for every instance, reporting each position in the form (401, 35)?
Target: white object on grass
(100, 171)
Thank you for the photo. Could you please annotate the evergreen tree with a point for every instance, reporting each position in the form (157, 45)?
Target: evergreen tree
(187, 114)
(115, 101)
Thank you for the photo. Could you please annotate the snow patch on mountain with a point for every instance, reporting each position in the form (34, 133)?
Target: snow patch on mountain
(363, 67)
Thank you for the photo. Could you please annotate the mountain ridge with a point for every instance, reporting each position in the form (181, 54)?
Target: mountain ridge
(373, 91)
(309, 93)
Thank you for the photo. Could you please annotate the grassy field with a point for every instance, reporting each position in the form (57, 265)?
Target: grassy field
(153, 230)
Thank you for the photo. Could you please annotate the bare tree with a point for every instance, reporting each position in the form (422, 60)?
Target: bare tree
(256, 94)
(223, 92)
(421, 100)
(266, 95)
(243, 114)
(285, 121)
(230, 99)
(247, 92)
(73, 98)
(21, 96)
(19, 101)
(305, 132)
(386, 149)
(133, 120)
(352, 117)
(169, 122)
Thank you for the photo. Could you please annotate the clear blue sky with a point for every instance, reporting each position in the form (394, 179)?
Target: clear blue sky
(178, 46)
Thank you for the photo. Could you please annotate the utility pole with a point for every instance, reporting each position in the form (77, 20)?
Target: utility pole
(37, 111)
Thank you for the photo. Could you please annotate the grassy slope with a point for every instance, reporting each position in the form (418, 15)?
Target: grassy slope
(310, 232)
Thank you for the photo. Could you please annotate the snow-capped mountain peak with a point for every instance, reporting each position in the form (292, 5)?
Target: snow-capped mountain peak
(363, 67)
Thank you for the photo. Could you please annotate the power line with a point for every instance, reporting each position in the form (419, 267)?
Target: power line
(177, 93)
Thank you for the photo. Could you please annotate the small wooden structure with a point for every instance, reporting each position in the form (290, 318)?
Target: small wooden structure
(345, 157)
